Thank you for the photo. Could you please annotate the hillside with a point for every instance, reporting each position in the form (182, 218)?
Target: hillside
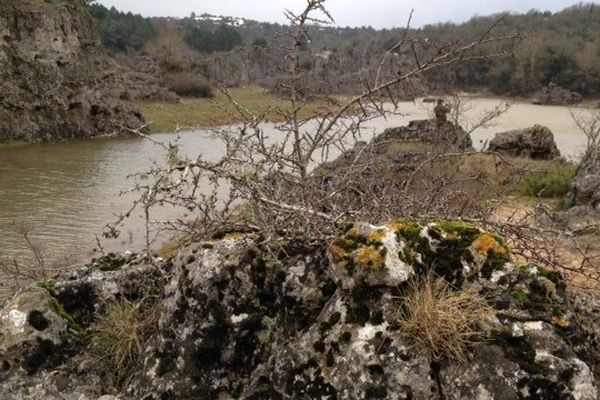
(560, 48)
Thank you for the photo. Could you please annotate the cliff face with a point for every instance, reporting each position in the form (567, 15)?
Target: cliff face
(55, 80)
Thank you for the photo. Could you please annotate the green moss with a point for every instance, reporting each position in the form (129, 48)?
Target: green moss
(541, 293)
(407, 230)
(111, 262)
(558, 311)
(520, 295)
(553, 276)
(406, 255)
(458, 227)
(48, 286)
(493, 262)
(60, 310)
(58, 307)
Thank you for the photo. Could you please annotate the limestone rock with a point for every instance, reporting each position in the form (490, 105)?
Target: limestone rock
(427, 131)
(247, 318)
(378, 263)
(586, 184)
(556, 95)
(536, 142)
(34, 335)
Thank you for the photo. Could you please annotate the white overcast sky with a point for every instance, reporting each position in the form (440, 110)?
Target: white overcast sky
(377, 13)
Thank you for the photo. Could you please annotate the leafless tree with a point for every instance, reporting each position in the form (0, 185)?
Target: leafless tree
(588, 122)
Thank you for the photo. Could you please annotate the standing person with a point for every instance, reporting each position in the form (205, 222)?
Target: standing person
(441, 111)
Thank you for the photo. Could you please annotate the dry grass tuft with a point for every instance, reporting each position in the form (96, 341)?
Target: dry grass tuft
(439, 322)
(121, 335)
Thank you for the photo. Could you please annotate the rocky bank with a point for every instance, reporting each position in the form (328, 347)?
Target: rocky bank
(56, 81)
(247, 318)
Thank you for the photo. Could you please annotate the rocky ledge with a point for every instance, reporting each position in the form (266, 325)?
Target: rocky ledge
(57, 82)
(246, 318)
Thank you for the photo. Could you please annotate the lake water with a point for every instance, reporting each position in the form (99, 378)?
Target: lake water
(64, 193)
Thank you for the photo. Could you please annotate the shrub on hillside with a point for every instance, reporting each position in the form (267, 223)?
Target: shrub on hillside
(555, 182)
(188, 84)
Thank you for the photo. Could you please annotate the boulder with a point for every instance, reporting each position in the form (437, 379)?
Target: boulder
(556, 95)
(427, 131)
(247, 318)
(586, 184)
(536, 142)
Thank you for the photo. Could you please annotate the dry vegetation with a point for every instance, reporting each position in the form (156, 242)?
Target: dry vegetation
(120, 337)
(204, 112)
(439, 322)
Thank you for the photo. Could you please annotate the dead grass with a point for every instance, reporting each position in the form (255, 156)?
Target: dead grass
(202, 113)
(439, 322)
(121, 335)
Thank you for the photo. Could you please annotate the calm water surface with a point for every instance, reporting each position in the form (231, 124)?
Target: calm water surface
(64, 193)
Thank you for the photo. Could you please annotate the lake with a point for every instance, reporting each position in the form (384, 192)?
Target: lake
(62, 194)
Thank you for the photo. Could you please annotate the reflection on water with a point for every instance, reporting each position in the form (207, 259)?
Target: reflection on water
(65, 193)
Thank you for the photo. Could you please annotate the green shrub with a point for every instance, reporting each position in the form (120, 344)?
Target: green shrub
(555, 182)
(188, 84)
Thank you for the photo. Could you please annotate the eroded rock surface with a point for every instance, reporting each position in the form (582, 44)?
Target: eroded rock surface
(586, 185)
(536, 142)
(56, 81)
(242, 318)
(555, 95)
(427, 131)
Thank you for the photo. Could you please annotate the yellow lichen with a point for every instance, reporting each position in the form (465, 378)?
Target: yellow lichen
(355, 231)
(486, 243)
(377, 235)
(371, 257)
(234, 237)
(338, 255)
(560, 320)
(396, 226)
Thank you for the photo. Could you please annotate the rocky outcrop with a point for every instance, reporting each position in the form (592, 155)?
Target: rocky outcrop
(427, 131)
(586, 184)
(246, 318)
(556, 95)
(56, 80)
(536, 142)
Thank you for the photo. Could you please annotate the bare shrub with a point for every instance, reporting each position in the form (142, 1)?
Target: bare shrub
(188, 84)
(588, 122)
(441, 323)
(121, 335)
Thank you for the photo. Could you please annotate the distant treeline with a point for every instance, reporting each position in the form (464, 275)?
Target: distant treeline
(123, 32)
(563, 48)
